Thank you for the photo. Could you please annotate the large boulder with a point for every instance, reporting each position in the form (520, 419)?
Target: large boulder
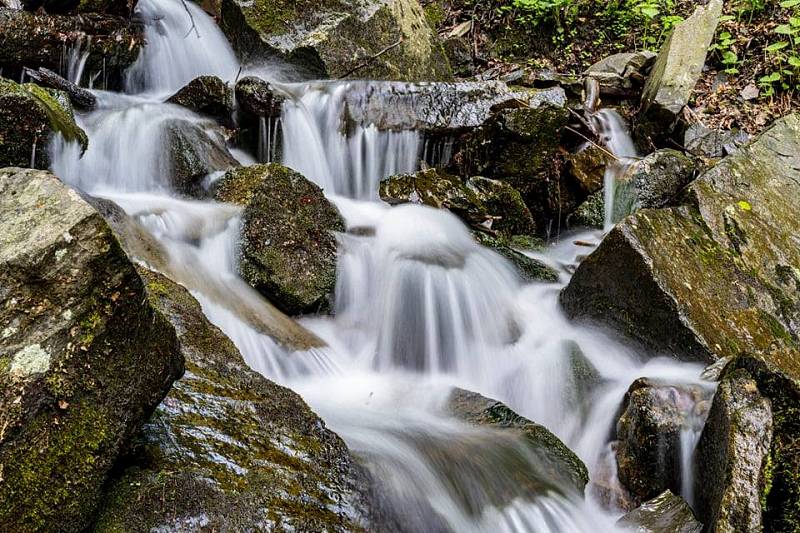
(520, 146)
(84, 357)
(622, 75)
(29, 117)
(732, 455)
(678, 67)
(207, 95)
(654, 415)
(288, 243)
(366, 39)
(558, 463)
(36, 40)
(780, 491)
(480, 202)
(715, 277)
(228, 449)
(666, 513)
(195, 152)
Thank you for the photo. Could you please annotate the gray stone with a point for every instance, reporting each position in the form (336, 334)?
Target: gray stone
(732, 455)
(195, 152)
(679, 65)
(666, 513)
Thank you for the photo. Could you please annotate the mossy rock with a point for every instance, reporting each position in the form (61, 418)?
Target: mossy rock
(29, 117)
(123, 8)
(715, 277)
(529, 269)
(372, 39)
(288, 243)
(228, 450)
(591, 213)
(36, 40)
(559, 466)
(85, 357)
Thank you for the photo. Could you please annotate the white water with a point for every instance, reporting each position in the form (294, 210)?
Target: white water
(420, 307)
(615, 137)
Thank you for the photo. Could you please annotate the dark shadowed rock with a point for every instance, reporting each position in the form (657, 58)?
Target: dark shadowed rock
(288, 244)
(207, 95)
(717, 276)
(529, 269)
(591, 213)
(677, 69)
(588, 168)
(372, 39)
(29, 117)
(195, 153)
(36, 40)
(257, 98)
(649, 435)
(228, 450)
(558, 461)
(666, 513)
(520, 146)
(84, 357)
(732, 455)
(480, 202)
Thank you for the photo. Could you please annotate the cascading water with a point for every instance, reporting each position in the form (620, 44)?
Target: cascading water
(614, 135)
(420, 307)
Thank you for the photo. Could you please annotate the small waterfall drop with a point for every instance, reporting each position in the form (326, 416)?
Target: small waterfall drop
(183, 42)
(342, 158)
(615, 137)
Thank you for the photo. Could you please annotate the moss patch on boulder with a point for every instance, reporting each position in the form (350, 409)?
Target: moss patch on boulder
(86, 357)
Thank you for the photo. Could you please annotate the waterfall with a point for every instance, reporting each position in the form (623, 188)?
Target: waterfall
(75, 60)
(342, 158)
(420, 307)
(614, 135)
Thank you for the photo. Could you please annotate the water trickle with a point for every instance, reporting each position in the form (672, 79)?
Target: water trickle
(268, 141)
(76, 58)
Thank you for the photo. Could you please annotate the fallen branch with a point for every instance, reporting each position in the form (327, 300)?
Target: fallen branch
(191, 18)
(587, 139)
(371, 59)
(80, 97)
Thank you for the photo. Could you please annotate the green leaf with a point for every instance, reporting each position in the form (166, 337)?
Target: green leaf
(780, 45)
(790, 3)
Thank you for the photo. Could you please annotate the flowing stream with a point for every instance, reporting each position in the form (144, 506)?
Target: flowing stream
(420, 307)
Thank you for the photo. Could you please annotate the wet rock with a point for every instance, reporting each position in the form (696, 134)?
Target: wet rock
(621, 75)
(195, 153)
(666, 513)
(257, 98)
(258, 313)
(29, 117)
(732, 455)
(207, 95)
(84, 357)
(649, 435)
(557, 461)
(372, 39)
(78, 96)
(288, 244)
(440, 108)
(780, 490)
(36, 40)
(480, 202)
(520, 146)
(583, 378)
(588, 168)
(677, 69)
(715, 277)
(653, 182)
(228, 450)
(530, 269)
(591, 213)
